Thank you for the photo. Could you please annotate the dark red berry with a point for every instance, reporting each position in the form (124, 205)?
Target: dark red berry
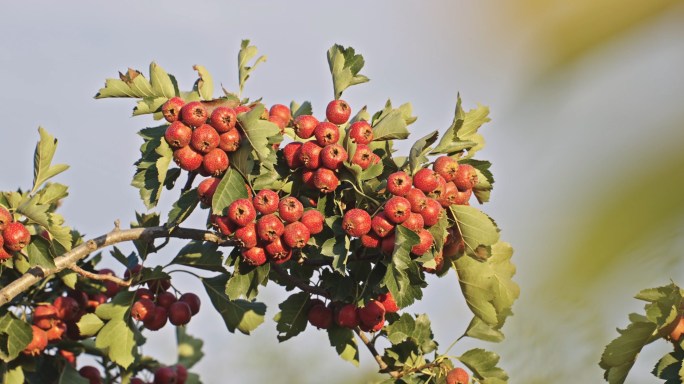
(310, 154)
(194, 114)
(254, 256)
(178, 135)
(381, 225)
(171, 109)
(15, 236)
(246, 236)
(304, 126)
(361, 132)
(179, 313)
(290, 209)
(223, 119)
(143, 310)
(338, 112)
(362, 156)
(313, 219)
(230, 141)
(356, 222)
(320, 316)
(192, 300)
(215, 162)
(158, 321)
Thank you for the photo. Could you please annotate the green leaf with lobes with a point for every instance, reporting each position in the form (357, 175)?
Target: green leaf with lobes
(189, 348)
(483, 365)
(391, 123)
(204, 84)
(151, 168)
(133, 84)
(419, 149)
(300, 109)
(292, 318)
(117, 338)
(416, 330)
(15, 375)
(39, 253)
(463, 132)
(242, 315)
(230, 188)
(345, 344)
(403, 277)
(182, 208)
(477, 229)
(43, 170)
(345, 66)
(669, 367)
(261, 134)
(246, 54)
(201, 255)
(15, 335)
(245, 280)
(89, 324)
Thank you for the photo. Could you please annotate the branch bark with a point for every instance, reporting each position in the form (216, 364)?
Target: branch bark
(69, 259)
(378, 359)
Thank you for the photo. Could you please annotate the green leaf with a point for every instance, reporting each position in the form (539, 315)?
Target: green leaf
(15, 335)
(118, 339)
(153, 165)
(345, 66)
(52, 193)
(71, 376)
(292, 318)
(205, 84)
(463, 132)
(182, 208)
(242, 160)
(477, 229)
(345, 344)
(303, 109)
(245, 281)
(144, 221)
(15, 375)
(488, 286)
(485, 179)
(35, 212)
(390, 123)
(246, 54)
(189, 348)
(163, 84)
(200, 255)
(483, 364)
(419, 149)
(403, 277)
(39, 253)
(89, 324)
(243, 315)
(261, 134)
(231, 188)
(417, 331)
(478, 329)
(620, 354)
(117, 308)
(150, 105)
(131, 84)
(43, 169)
(669, 367)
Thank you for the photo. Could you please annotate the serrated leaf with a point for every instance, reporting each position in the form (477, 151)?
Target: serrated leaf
(144, 221)
(620, 354)
(52, 193)
(478, 329)
(118, 339)
(391, 124)
(34, 211)
(245, 281)
(89, 324)
(477, 229)
(43, 169)
(15, 335)
(303, 109)
(163, 85)
(463, 132)
(153, 165)
(198, 254)
(488, 286)
(345, 66)
(342, 339)
(189, 348)
(419, 150)
(483, 365)
(39, 253)
(182, 208)
(403, 276)
(292, 318)
(205, 84)
(261, 134)
(669, 367)
(242, 160)
(400, 330)
(69, 278)
(246, 54)
(243, 315)
(230, 188)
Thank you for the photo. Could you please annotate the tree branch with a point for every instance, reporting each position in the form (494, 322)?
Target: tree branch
(371, 347)
(97, 276)
(69, 259)
(298, 283)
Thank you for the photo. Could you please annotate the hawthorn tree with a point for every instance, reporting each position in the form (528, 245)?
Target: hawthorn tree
(322, 206)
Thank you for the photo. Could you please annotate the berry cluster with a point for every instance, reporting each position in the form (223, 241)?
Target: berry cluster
(155, 310)
(370, 317)
(267, 227)
(176, 374)
(15, 236)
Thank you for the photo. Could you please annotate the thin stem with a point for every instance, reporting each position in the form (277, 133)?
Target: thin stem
(96, 276)
(371, 348)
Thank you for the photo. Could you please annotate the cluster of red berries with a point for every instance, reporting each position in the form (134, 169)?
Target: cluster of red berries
(154, 310)
(323, 156)
(267, 227)
(176, 374)
(417, 203)
(14, 237)
(370, 317)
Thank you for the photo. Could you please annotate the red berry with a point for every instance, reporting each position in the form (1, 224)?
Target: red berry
(414, 222)
(95, 300)
(192, 300)
(313, 219)
(204, 138)
(291, 153)
(278, 251)
(307, 178)
(457, 376)
(399, 183)
(417, 199)
(45, 316)
(463, 198)
(281, 111)
(387, 244)
(361, 132)
(347, 316)
(144, 293)
(397, 209)
(466, 177)
(16, 236)
(254, 256)
(269, 227)
(91, 373)
(426, 180)
(320, 316)
(230, 141)
(372, 315)
(111, 288)
(326, 133)
(136, 380)
(431, 213)
(446, 166)
(304, 126)
(381, 225)
(266, 201)
(143, 310)
(310, 154)
(387, 301)
(38, 342)
(438, 192)
(67, 308)
(4, 255)
(159, 285)
(179, 313)
(242, 212)
(424, 244)
(178, 135)
(171, 109)
(333, 156)
(181, 374)
(363, 156)
(194, 114)
(296, 235)
(5, 217)
(223, 119)
(450, 195)
(215, 162)
(290, 209)
(187, 158)
(158, 321)
(166, 299)
(277, 120)
(224, 224)
(56, 332)
(165, 375)
(246, 236)
(207, 188)
(338, 112)
(325, 180)
(371, 240)
(356, 222)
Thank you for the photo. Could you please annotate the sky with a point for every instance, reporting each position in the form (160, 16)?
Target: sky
(562, 141)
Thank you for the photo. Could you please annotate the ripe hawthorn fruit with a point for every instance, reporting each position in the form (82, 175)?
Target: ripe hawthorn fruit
(356, 222)
(158, 321)
(361, 132)
(266, 201)
(326, 133)
(194, 114)
(5, 217)
(281, 111)
(223, 119)
(242, 109)
(399, 183)
(216, 162)
(165, 375)
(278, 250)
(338, 112)
(431, 213)
(325, 180)
(678, 330)
(111, 288)
(246, 236)
(171, 109)
(450, 195)
(296, 235)
(187, 158)
(38, 342)
(397, 209)
(204, 139)
(333, 156)
(279, 121)
(67, 308)
(417, 199)
(304, 126)
(320, 316)
(207, 188)
(463, 197)
(191, 300)
(313, 219)
(15, 236)
(424, 244)
(290, 209)
(178, 135)
(242, 212)
(371, 240)
(372, 315)
(426, 180)
(381, 225)
(291, 153)
(91, 373)
(309, 155)
(44, 316)
(363, 156)
(446, 166)
(255, 256)
(414, 222)
(269, 227)
(387, 301)
(181, 373)
(56, 332)
(466, 177)
(457, 376)
(158, 286)
(179, 313)
(142, 310)
(347, 316)
(387, 243)
(230, 141)
(307, 178)
(166, 299)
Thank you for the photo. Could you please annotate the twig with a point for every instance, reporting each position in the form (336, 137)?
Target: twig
(298, 283)
(97, 276)
(371, 348)
(37, 273)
